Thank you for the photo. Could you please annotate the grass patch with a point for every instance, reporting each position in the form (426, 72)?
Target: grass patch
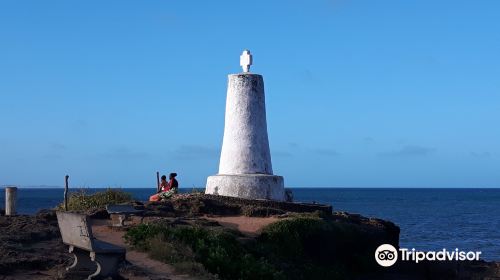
(302, 247)
(193, 268)
(188, 247)
(81, 200)
(312, 247)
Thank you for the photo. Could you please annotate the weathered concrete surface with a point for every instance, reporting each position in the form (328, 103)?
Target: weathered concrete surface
(10, 201)
(245, 148)
(245, 168)
(75, 230)
(248, 186)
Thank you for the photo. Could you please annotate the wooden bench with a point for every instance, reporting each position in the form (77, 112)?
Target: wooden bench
(87, 251)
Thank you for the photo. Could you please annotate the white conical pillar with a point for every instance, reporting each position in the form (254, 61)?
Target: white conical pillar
(245, 168)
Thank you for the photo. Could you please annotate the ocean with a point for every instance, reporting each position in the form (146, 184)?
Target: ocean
(430, 219)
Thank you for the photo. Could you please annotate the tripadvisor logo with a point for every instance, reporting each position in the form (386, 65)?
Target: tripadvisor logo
(387, 255)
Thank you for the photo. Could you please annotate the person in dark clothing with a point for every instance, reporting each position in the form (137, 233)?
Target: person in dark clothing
(173, 184)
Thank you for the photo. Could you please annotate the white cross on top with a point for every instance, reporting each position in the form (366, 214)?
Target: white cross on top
(246, 60)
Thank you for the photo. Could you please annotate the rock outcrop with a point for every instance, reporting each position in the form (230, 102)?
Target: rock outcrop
(33, 244)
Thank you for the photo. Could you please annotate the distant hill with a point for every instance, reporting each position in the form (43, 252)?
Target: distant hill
(40, 187)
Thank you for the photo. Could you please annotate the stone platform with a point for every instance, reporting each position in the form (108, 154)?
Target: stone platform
(250, 186)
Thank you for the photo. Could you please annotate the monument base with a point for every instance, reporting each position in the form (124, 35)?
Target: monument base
(251, 186)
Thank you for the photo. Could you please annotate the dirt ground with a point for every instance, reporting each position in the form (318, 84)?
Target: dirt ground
(154, 269)
(31, 247)
(250, 226)
(141, 266)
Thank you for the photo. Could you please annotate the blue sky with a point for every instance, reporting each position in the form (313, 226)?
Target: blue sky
(359, 93)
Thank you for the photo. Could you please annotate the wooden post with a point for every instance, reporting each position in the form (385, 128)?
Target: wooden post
(10, 201)
(66, 192)
(157, 181)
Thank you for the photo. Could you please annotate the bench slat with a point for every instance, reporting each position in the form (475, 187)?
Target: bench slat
(75, 230)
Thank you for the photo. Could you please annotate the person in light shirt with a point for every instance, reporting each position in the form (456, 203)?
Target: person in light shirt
(167, 189)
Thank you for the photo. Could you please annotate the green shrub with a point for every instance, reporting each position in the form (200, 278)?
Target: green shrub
(140, 235)
(303, 247)
(193, 268)
(169, 252)
(218, 251)
(316, 248)
(81, 200)
(285, 239)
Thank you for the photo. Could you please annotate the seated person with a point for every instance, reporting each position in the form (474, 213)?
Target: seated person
(163, 184)
(173, 184)
(166, 189)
